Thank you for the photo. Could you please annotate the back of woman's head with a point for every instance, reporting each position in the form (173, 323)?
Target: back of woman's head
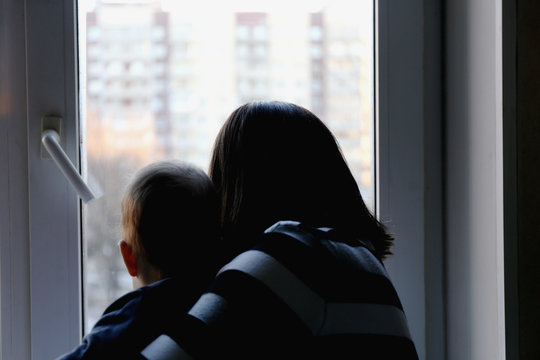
(277, 161)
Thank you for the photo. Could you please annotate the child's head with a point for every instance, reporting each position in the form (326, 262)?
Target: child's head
(170, 222)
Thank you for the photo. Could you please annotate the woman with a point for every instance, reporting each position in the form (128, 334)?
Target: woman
(306, 278)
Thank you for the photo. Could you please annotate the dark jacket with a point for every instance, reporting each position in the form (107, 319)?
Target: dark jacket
(134, 320)
(302, 292)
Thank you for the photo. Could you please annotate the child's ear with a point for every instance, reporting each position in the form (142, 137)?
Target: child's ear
(129, 258)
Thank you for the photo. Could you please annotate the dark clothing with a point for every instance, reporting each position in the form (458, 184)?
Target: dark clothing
(134, 320)
(302, 292)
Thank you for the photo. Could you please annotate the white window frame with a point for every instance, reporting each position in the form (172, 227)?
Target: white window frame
(443, 184)
(409, 155)
(40, 214)
(40, 257)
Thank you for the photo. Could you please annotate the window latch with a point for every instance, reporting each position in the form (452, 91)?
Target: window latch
(50, 138)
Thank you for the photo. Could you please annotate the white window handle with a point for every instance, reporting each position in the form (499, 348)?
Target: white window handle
(50, 140)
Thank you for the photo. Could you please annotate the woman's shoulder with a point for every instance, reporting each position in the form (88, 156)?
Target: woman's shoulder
(286, 283)
(299, 281)
(324, 239)
(299, 254)
(311, 234)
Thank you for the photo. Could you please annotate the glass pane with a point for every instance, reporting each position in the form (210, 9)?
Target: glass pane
(158, 79)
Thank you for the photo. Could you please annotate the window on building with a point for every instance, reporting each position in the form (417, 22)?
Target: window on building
(267, 50)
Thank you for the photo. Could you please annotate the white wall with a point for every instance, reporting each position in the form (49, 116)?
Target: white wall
(474, 206)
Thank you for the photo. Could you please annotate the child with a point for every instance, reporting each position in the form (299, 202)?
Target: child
(170, 224)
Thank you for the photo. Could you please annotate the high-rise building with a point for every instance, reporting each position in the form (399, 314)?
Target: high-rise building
(202, 87)
(127, 95)
(348, 89)
(170, 78)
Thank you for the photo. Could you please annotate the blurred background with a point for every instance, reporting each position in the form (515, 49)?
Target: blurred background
(158, 79)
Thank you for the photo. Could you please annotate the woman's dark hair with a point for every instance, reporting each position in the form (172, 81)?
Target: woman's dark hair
(277, 161)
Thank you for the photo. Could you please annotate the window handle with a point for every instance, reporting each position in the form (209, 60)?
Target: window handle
(50, 140)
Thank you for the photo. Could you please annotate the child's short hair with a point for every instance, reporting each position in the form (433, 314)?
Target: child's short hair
(170, 215)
